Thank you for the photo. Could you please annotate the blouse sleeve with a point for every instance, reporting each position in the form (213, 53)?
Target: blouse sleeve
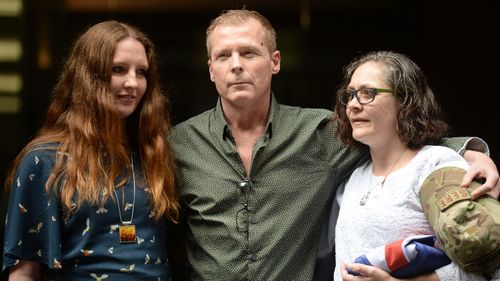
(437, 157)
(32, 226)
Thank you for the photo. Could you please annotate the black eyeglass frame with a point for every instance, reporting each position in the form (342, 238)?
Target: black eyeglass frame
(368, 91)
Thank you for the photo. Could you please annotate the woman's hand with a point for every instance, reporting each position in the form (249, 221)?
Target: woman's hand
(366, 273)
(26, 271)
(371, 273)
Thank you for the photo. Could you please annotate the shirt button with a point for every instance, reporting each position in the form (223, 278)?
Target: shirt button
(252, 257)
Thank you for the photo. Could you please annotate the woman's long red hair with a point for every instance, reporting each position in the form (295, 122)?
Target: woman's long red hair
(95, 142)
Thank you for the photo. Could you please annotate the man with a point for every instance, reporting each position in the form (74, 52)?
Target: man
(255, 176)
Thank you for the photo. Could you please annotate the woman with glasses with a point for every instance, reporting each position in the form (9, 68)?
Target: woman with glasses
(386, 104)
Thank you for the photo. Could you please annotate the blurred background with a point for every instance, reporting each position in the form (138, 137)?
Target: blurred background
(452, 42)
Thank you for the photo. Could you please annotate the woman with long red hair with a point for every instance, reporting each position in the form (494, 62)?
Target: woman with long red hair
(91, 194)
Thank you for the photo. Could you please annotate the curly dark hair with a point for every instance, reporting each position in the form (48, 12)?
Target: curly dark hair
(418, 117)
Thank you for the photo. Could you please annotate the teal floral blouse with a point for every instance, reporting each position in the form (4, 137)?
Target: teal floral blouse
(85, 246)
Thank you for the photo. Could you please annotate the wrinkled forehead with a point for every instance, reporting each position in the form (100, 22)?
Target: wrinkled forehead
(237, 28)
(249, 32)
(250, 23)
(370, 70)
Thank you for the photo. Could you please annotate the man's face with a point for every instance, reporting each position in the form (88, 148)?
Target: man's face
(241, 65)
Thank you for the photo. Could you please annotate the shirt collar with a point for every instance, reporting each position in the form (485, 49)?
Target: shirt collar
(222, 129)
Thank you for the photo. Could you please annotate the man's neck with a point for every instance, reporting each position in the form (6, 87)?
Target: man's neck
(247, 126)
(245, 118)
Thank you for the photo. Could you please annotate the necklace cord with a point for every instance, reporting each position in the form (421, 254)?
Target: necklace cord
(394, 166)
(365, 197)
(133, 201)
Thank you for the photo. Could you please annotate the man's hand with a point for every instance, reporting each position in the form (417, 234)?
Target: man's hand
(482, 167)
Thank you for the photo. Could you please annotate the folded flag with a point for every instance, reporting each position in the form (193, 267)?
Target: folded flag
(406, 258)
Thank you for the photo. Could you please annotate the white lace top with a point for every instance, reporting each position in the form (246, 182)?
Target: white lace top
(391, 212)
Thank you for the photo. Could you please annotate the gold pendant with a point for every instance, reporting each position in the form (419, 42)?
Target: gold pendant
(127, 233)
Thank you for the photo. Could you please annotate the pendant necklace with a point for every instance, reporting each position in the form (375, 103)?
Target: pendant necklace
(365, 197)
(127, 229)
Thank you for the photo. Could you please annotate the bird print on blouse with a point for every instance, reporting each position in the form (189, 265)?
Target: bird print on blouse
(40, 215)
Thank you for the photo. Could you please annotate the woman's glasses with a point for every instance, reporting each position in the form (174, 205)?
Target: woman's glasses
(363, 95)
